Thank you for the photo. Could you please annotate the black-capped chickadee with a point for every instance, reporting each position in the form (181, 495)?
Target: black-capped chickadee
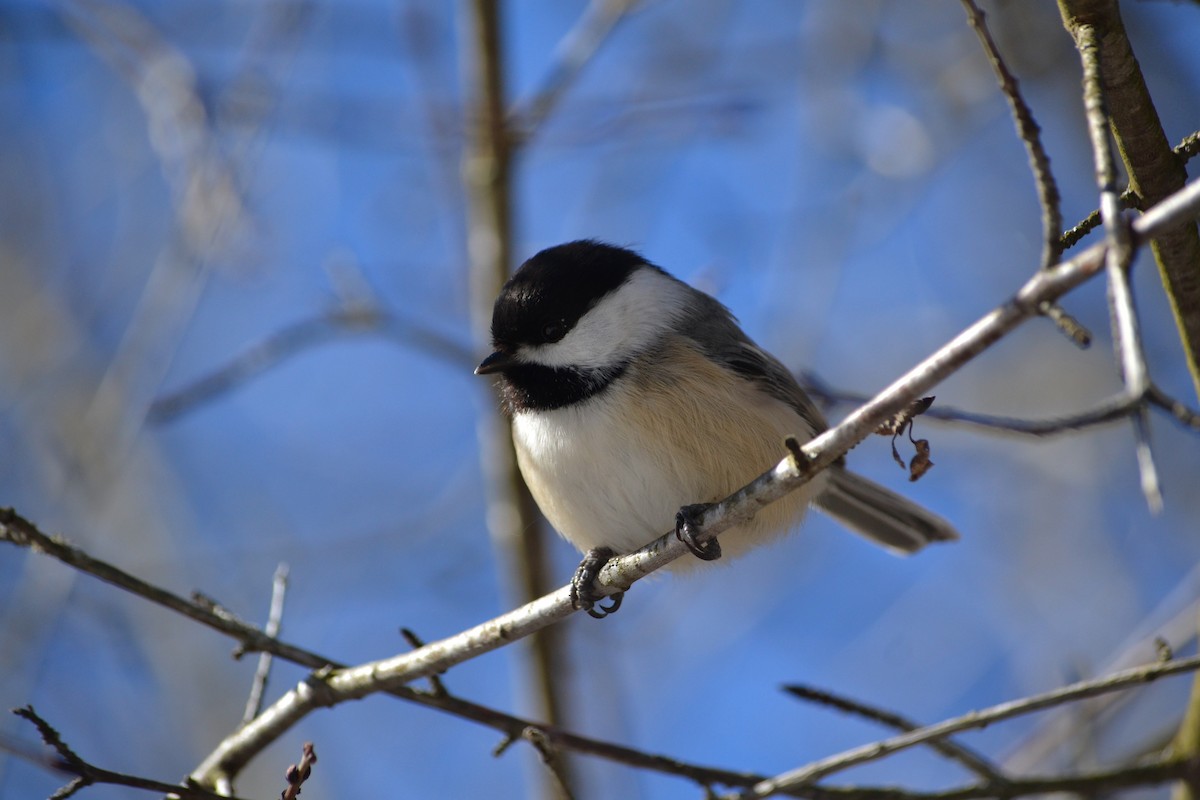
(636, 399)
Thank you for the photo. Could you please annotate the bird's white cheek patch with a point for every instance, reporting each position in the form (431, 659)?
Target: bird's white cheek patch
(623, 323)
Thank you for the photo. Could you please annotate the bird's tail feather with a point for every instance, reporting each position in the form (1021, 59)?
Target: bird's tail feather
(878, 514)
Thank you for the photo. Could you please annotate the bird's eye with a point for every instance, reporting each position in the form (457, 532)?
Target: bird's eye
(554, 331)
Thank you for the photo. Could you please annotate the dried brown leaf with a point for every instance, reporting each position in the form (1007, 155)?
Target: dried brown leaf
(921, 462)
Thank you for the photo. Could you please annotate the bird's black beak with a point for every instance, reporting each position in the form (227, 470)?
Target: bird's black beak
(496, 362)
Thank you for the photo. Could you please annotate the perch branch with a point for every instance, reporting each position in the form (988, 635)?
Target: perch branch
(334, 686)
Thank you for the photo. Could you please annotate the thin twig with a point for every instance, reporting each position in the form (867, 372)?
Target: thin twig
(1049, 198)
(274, 621)
(811, 773)
(1176, 408)
(1030, 133)
(1113, 409)
(551, 759)
(87, 774)
(969, 758)
(297, 774)
(1094, 784)
(17, 530)
(1184, 151)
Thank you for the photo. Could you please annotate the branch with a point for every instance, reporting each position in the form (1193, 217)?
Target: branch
(335, 686)
(515, 727)
(1039, 164)
(1113, 409)
(86, 774)
(17, 530)
(1154, 170)
(1085, 785)
(1118, 258)
(1030, 134)
(976, 719)
(965, 756)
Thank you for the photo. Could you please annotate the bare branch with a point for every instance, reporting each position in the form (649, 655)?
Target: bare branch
(86, 774)
(970, 759)
(1154, 170)
(19, 531)
(1182, 414)
(514, 727)
(1111, 410)
(976, 719)
(1049, 198)
(1184, 151)
(1030, 134)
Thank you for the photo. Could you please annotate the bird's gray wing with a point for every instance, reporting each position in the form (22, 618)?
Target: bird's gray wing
(718, 335)
(860, 504)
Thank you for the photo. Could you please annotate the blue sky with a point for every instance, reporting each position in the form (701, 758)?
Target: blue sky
(844, 176)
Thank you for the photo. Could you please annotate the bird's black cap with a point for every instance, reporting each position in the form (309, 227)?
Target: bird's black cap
(553, 289)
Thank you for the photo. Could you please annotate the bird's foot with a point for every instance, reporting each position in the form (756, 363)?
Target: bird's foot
(583, 592)
(687, 528)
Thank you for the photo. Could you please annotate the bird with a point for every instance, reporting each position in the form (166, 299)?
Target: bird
(637, 400)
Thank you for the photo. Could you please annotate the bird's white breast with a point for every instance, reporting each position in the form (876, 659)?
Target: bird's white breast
(613, 470)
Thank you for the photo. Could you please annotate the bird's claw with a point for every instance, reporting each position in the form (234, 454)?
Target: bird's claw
(687, 527)
(583, 593)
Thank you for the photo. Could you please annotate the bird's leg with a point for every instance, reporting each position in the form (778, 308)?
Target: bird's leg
(687, 527)
(583, 592)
